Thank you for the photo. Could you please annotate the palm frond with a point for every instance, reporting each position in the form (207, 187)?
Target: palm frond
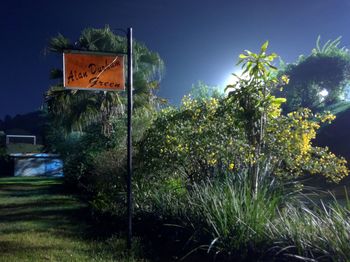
(329, 47)
(76, 110)
(59, 43)
(56, 74)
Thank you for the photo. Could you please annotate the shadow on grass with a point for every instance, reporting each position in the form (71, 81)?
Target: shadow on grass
(43, 207)
(56, 201)
(39, 221)
(28, 179)
(12, 247)
(27, 192)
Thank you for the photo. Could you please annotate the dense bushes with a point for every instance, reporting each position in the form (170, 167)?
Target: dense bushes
(235, 157)
(221, 218)
(242, 132)
(218, 172)
(317, 232)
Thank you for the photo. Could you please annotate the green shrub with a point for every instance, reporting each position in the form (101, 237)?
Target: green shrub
(326, 68)
(223, 219)
(221, 214)
(245, 131)
(319, 232)
(231, 218)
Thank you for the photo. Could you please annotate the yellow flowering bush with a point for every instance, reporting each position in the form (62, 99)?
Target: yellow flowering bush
(205, 139)
(243, 132)
(192, 139)
(291, 138)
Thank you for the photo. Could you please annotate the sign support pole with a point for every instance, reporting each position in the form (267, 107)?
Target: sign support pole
(129, 139)
(79, 75)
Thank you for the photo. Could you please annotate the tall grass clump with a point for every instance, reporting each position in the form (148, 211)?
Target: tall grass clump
(231, 219)
(222, 217)
(165, 199)
(317, 232)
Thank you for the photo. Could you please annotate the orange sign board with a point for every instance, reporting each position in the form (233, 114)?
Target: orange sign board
(93, 71)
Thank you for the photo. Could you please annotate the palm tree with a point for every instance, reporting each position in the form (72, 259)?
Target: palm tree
(75, 109)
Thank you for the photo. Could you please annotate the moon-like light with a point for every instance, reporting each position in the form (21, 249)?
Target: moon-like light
(231, 79)
(324, 93)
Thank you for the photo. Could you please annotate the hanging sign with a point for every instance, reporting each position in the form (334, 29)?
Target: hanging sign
(93, 71)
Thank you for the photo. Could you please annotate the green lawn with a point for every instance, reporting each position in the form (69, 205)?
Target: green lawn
(38, 222)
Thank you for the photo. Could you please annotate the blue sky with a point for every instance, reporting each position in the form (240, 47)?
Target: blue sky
(199, 40)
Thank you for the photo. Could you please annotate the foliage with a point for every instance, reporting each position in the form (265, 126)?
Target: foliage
(289, 147)
(95, 161)
(202, 92)
(220, 215)
(94, 164)
(281, 144)
(274, 224)
(244, 132)
(252, 97)
(106, 176)
(227, 214)
(185, 141)
(327, 68)
(207, 139)
(2, 144)
(329, 48)
(320, 232)
(75, 110)
(226, 222)
(243, 141)
(218, 168)
(77, 151)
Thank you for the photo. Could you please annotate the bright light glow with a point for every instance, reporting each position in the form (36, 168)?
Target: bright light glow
(324, 93)
(231, 80)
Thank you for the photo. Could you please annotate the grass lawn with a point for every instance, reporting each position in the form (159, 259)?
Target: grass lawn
(38, 222)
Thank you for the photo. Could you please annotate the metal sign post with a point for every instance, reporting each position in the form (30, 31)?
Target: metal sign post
(105, 71)
(129, 140)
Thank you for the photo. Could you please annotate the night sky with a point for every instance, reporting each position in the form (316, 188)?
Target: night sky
(198, 39)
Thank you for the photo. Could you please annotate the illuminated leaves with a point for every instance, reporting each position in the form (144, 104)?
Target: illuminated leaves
(242, 132)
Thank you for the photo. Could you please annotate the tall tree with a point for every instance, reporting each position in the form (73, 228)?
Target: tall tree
(319, 79)
(74, 109)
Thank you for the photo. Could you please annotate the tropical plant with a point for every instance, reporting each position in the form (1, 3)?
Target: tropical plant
(329, 48)
(319, 79)
(75, 110)
(252, 96)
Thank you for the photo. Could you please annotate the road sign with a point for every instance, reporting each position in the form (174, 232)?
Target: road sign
(93, 71)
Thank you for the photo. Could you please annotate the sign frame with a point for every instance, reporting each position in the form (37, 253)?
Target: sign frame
(97, 53)
(128, 87)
